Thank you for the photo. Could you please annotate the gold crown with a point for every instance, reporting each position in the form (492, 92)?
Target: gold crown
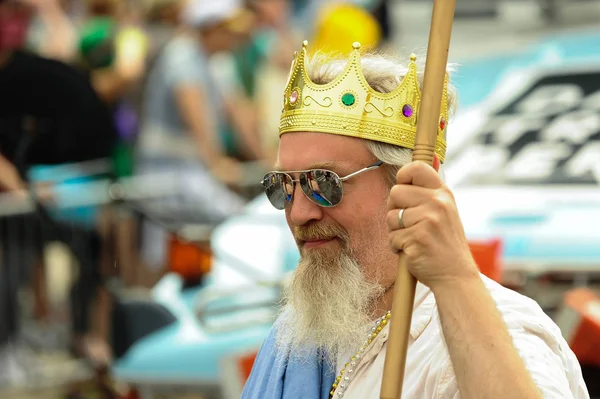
(349, 106)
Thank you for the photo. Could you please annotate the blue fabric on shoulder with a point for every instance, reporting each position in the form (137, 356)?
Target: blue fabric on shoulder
(280, 377)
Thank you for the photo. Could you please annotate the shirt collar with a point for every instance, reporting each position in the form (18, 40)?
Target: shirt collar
(422, 313)
(422, 310)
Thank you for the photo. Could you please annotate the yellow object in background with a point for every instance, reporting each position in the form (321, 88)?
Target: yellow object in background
(131, 47)
(131, 41)
(339, 25)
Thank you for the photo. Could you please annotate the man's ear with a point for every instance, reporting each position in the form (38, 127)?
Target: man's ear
(436, 163)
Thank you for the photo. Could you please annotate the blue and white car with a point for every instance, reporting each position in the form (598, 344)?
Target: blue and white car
(525, 164)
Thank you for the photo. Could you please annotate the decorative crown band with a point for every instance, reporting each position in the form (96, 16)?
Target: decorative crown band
(349, 106)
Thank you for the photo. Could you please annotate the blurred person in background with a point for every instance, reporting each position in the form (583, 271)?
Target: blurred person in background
(50, 114)
(242, 73)
(110, 50)
(110, 44)
(113, 49)
(14, 22)
(51, 33)
(15, 17)
(184, 117)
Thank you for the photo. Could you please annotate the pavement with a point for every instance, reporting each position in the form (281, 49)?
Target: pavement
(49, 375)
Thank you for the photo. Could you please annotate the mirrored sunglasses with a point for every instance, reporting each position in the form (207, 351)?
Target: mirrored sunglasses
(321, 186)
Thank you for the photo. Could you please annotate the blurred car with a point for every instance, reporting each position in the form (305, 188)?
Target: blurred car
(527, 168)
(536, 192)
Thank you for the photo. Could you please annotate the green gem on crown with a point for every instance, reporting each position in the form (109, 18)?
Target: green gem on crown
(348, 99)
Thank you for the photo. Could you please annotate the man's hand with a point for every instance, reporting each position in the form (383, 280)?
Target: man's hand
(44, 193)
(10, 180)
(432, 235)
(438, 255)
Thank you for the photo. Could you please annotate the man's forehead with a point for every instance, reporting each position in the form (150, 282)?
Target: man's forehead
(307, 150)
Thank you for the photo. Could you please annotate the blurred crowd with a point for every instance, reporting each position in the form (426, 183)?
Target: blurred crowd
(185, 92)
(191, 86)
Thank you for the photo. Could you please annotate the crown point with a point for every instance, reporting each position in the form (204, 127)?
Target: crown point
(356, 45)
(305, 44)
(413, 57)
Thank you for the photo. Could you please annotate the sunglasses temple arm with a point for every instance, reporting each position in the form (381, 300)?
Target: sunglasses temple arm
(358, 172)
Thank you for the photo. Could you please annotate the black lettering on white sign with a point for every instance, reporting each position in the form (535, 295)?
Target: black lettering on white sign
(549, 134)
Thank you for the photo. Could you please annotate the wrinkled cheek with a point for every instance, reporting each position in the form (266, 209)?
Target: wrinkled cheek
(373, 257)
(374, 274)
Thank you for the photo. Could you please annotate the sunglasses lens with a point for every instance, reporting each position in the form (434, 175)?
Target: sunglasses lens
(279, 188)
(323, 187)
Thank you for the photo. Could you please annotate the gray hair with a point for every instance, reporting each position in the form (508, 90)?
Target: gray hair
(384, 73)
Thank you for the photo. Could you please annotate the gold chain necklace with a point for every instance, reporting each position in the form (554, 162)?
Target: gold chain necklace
(346, 374)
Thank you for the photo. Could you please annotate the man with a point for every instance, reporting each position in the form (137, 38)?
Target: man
(51, 114)
(469, 337)
(183, 118)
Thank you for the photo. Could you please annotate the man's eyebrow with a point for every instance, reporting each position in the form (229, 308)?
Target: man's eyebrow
(325, 165)
(316, 165)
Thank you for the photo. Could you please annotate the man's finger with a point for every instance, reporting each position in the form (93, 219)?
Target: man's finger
(409, 217)
(403, 196)
(419, 174)
(395, 219)
(399, 239)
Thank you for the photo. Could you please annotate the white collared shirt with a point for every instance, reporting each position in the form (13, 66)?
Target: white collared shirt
(429, 372)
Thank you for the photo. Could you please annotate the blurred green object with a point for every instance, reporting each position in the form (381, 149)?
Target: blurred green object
(97, 46)
(97, 42)
(249, 56)
(123, 159)
(246, 58)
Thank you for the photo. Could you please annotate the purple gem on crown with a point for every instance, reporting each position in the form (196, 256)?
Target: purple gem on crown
(407, 110)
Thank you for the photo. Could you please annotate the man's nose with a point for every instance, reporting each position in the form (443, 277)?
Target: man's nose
(302, 210)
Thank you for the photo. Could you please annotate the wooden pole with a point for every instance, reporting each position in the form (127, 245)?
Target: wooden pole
(427, 127)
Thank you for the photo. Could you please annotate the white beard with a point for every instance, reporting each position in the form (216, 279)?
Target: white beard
(329, 304)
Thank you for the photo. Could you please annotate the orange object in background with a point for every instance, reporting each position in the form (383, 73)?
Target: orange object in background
(234, 372)
(488, 256)
(245, 364)
(131, 394)
(579, 322)
(190, 260)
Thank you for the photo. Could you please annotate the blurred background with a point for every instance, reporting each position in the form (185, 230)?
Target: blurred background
(138, 258)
